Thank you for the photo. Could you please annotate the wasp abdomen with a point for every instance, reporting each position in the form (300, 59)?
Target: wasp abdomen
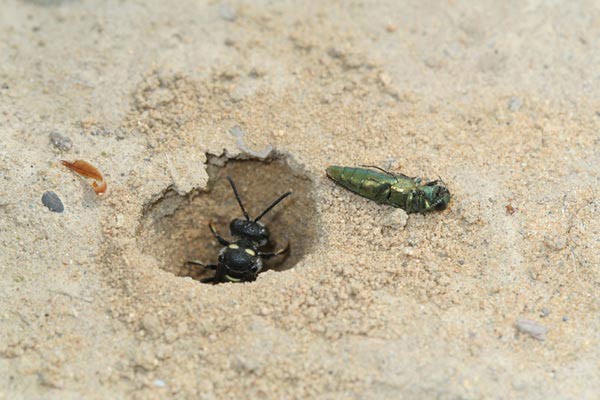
(367, 183)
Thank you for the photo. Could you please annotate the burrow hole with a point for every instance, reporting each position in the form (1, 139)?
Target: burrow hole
(175, 228)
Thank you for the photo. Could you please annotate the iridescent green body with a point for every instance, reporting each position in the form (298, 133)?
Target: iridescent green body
(397, 190)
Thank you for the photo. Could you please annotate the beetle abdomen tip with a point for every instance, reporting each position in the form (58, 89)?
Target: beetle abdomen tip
(334, 172)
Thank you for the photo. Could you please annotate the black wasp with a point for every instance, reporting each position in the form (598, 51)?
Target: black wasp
(241, 259)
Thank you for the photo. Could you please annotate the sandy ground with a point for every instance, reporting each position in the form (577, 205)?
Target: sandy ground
(500, 99)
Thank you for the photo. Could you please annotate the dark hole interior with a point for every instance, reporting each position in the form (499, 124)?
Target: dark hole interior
(175, 228)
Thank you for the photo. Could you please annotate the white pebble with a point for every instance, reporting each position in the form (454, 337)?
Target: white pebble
(532, 328)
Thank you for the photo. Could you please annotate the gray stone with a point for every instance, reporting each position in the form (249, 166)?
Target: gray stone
(53, 202)
(515, 104)
(532, 328)
(227, 13)
(61, 142)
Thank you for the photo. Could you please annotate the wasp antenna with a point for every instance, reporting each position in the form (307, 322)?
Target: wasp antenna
(273, 204)
(239, 200)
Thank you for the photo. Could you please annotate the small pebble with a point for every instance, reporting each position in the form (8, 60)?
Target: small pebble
(257, 73)
(334, 52)
(264, 311)
(393, 218)
(532, 328)
(238, 133)
(544, 312)
(151, 324)
(565, 318)
(52, 201)
(159, 383)
(61, 142)
(279, 133)
(385, 79)
(515, 104)
(227, 13)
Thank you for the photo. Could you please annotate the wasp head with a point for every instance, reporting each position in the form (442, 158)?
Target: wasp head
(250, 230)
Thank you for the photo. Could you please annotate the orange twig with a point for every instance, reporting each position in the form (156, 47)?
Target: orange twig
(88, 170)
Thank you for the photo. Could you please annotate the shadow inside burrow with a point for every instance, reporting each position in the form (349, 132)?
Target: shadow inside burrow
(174, 228)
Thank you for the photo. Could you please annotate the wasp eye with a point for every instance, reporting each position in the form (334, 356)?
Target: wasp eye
(237, 226)
(264, 233)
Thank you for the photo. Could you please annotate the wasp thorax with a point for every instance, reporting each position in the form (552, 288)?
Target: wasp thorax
(250, 230)
(238, 258)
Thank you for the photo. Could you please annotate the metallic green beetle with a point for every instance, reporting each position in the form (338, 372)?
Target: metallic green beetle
(397, 190)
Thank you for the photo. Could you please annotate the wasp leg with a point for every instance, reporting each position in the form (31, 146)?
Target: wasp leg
(221, 239)
(212, 267)
(275, 253)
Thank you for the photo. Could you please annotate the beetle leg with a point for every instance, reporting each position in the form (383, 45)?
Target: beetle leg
(221, 239)
(275, 253)
(393, 175)
(436, 203)
(434, 183)
(379, 168)
(208, 280)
